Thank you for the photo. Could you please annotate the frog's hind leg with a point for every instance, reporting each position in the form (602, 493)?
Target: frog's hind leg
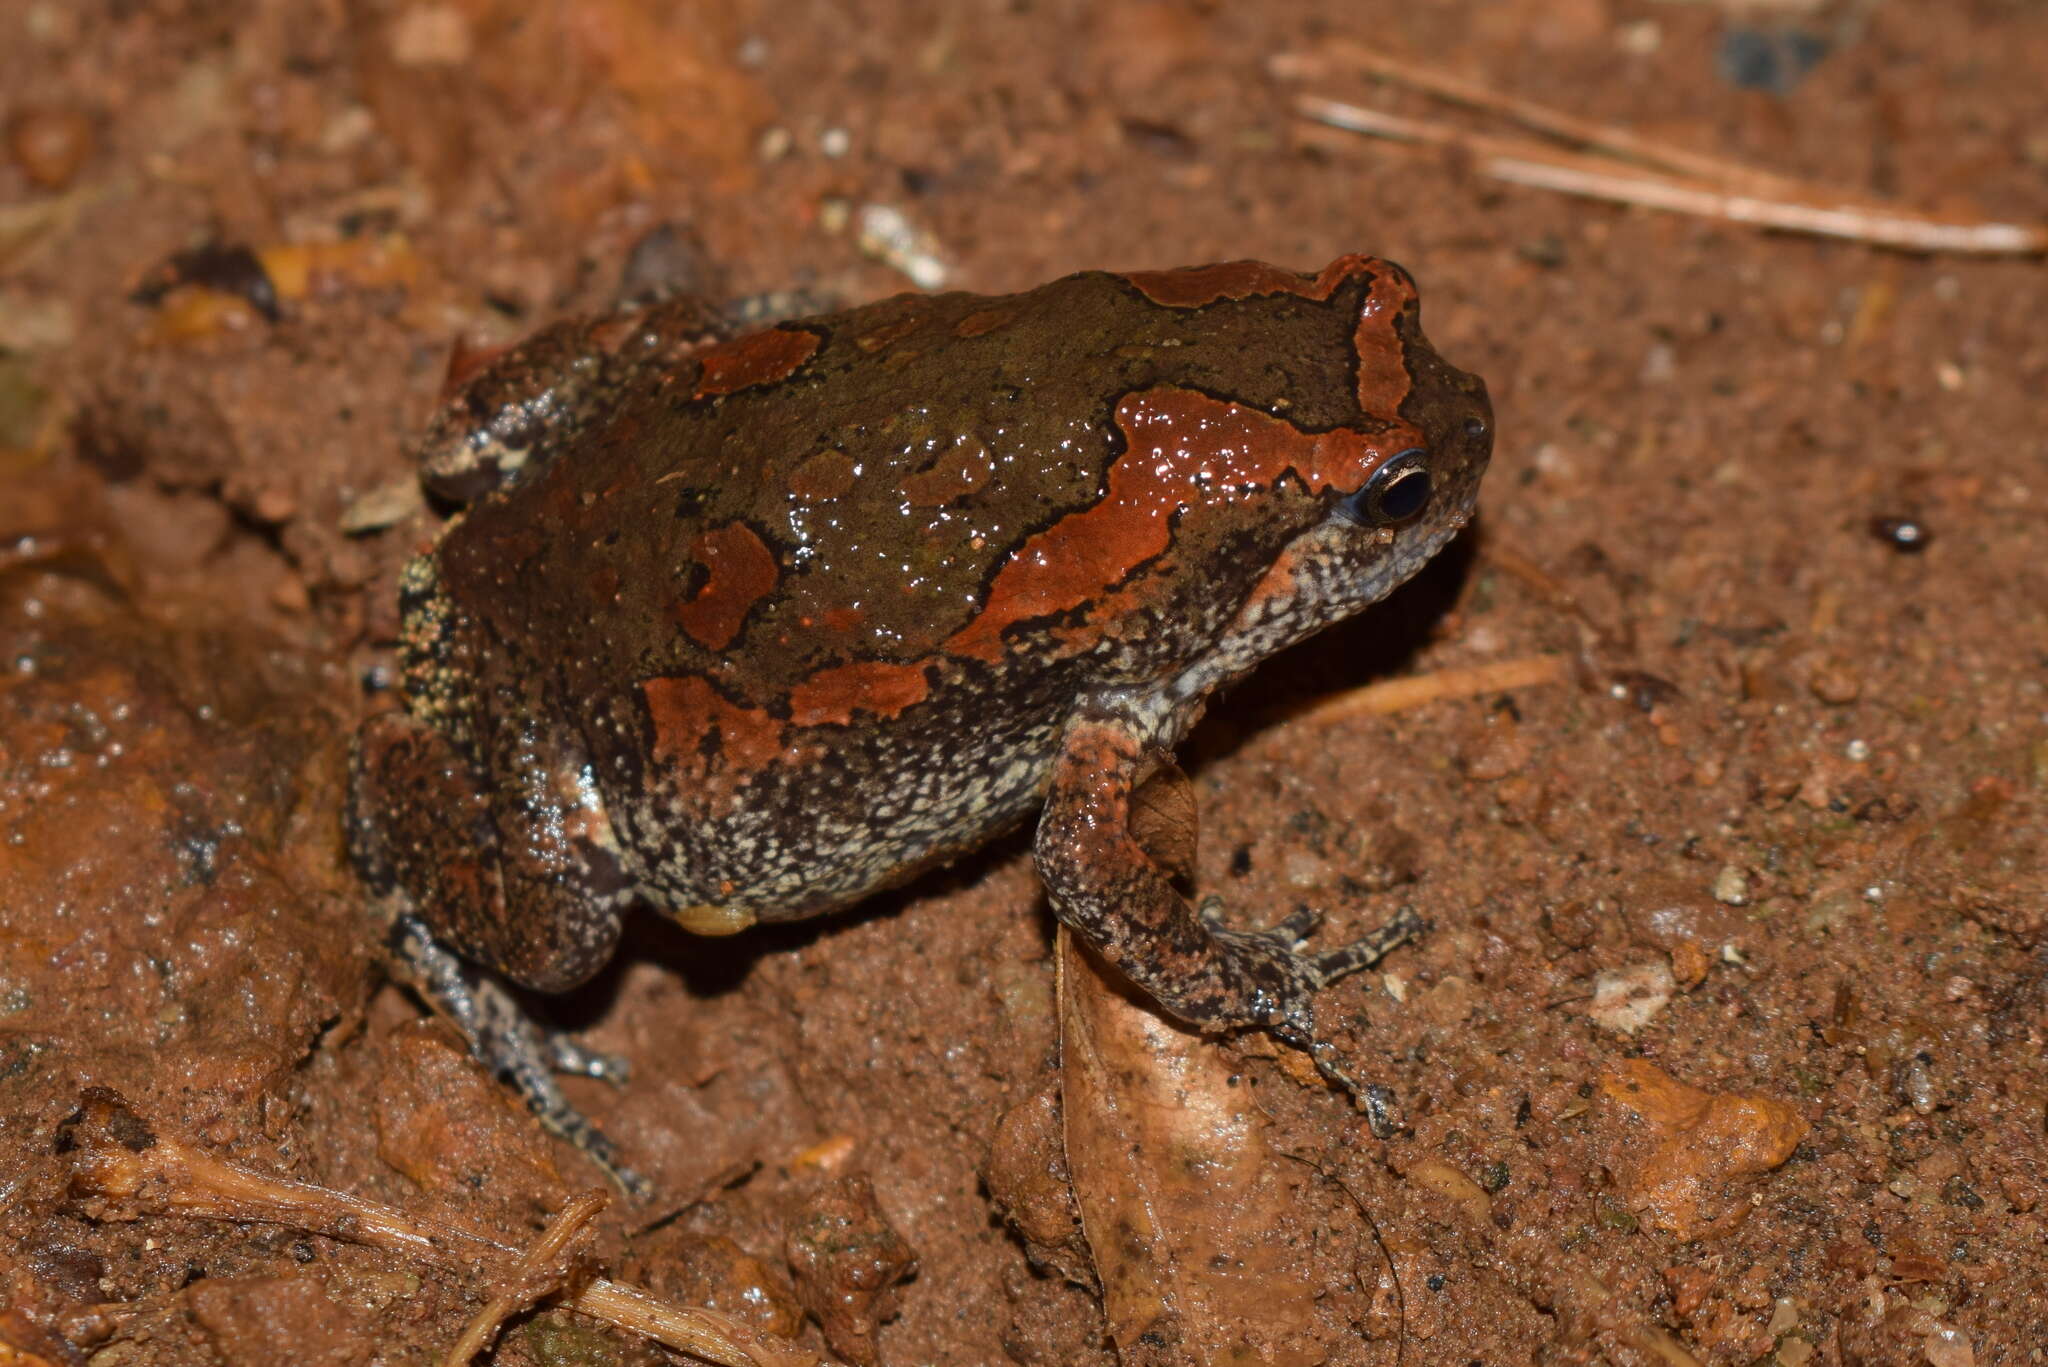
(502, 863)
(509, 873)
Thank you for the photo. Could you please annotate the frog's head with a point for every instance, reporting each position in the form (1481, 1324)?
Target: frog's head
(1280, 451)
(1374, 466)
(1389, 511)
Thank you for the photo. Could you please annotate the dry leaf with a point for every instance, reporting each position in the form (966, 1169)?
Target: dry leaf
(1188, 1212)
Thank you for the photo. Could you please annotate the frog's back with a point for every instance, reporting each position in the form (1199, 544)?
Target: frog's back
(846, 487)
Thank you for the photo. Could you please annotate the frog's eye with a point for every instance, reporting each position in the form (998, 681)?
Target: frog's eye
(1397, 492)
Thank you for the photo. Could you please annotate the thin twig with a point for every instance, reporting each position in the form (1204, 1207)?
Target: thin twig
(118, 1162)
(535, 1276)
(1404, 694)
(1565, 127)
(1900, 228)
(1526, 163)
(1690, 183)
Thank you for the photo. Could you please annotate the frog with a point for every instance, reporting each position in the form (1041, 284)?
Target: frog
(748, 623)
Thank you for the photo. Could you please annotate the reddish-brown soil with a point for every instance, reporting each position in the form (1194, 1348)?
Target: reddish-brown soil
(1726, 1043)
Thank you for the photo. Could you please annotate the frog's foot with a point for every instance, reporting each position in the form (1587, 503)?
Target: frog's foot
(1286, 975)
(566, 1055)
(1277, 954)
(508, 1042)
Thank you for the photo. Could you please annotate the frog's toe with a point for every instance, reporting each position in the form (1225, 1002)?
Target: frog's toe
(1367, 950)
(1297, 925)
(566, 1055)
(1284, 939)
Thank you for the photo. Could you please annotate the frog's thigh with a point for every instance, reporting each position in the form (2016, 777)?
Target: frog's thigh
(422, 819)
(1104, 886)
(562, 884)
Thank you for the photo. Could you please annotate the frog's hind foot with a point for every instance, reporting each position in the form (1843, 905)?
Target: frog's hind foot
(507, 1041)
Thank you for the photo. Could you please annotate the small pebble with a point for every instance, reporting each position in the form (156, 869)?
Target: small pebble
(887, 234)
(1731, 887)
(1494, 755)
(1660, 363)
(1769, 59)
(1627, 999)
(50, 145)
(1945, 1346)
(431, 35)
(1907, 535)
(381, 507)
(1833, 681)
(289, 594)
(274, 505)
(1640, 37)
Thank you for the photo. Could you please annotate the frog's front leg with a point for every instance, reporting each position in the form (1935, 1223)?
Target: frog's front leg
(1104, 885)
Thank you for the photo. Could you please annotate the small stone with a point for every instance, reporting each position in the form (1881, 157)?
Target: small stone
(432, 35)
(1660, 363)
(1640, 37)
(1496, 754)
(1627, 999)
(1731, 887)
(890, 236)
(1682, 1146)
(1833, 681)
(1575, 924)
(1689, 963)
(50, 144)
(1907, 535)
(1945, 1346)
(383, 506)
(274, 505)
(289, 594)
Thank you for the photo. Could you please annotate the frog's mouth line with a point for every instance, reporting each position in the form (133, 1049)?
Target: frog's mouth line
(1318, 580)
